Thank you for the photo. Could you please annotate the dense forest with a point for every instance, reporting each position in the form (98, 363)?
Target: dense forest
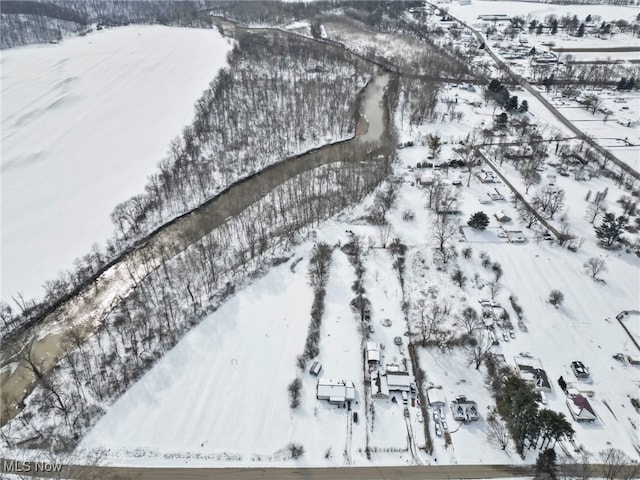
(27, 22)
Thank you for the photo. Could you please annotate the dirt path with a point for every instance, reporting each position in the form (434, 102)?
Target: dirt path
(87, 310)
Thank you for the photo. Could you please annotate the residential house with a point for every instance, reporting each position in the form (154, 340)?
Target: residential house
(336, 391)
(580, 408)
(464, 410)
(530, 370)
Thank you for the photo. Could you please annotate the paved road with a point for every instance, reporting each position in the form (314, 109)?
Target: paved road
(345, 473)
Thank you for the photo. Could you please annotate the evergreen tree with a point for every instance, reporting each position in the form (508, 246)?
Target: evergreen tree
(609, 232)
(501, 120)
(622, 84)
(554, 26)
(494, 85)
(524, 106)
(546, 465)
(580, 31)
(539, 29)
(479, 221)
(517, 405)
(512, 103)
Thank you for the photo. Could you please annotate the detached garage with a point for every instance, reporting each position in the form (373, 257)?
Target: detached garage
(436, 397)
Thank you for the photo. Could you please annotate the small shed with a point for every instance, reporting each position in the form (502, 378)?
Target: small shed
(373, 353)
(436, 397)
(315, 369)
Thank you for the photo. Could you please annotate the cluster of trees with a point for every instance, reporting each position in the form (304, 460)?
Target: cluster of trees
(498, 92)
(318, 277)
(238, 127)
(360, 304)
(177, 295)
(419, 100)
(530, 426)
(49, 21)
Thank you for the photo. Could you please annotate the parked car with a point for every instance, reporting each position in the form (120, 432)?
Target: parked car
(397, 340)
(419, 417)
(445, 427)
(505, 336)
(512, 334)
(406, 412)
(355, 417)
(438, 430)
(436, 416)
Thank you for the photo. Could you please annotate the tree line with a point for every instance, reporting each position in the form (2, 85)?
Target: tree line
(27, 22)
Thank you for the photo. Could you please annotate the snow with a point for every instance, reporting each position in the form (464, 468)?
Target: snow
(469, 13)
(83, 125)
(223, 388)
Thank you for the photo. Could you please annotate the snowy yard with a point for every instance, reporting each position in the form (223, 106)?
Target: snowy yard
(83, 125)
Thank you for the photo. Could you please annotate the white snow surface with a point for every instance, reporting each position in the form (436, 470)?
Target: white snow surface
(469, 13)
(83, 125)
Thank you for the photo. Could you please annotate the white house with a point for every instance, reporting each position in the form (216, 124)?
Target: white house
(336, 391)
(464, 410)
(580, 408)
(436, 397)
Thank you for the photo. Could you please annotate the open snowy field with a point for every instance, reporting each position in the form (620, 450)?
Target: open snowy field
(469, 13)
(83, 125)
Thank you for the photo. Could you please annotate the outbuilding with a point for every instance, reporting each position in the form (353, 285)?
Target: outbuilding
(336, 391)
(436, 397)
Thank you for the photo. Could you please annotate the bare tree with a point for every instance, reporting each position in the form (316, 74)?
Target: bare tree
(384, 201)
(497, 431)
(481, 350)
(549, 200)
(430, 321)
(28, 356)
(470, 320)
(596, 209)
(616, 464)
(443, 232)
(494, 289)
(527, 215)
(459, 277)
(594, 266)
(556, 297)
(579, 469)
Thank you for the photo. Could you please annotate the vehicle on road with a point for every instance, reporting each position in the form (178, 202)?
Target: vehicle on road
(406, 412)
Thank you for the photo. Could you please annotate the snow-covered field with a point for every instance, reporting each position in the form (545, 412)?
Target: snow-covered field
(83, 125)
(469, 13)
